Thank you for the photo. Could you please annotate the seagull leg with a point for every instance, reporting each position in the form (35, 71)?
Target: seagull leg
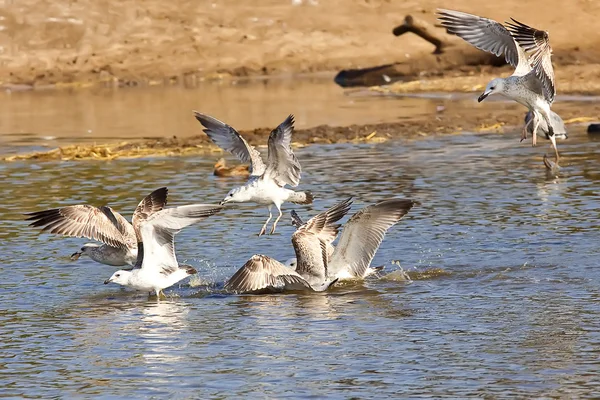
(524, 133)
(277, 220)
(536, 124)
(553, 141)
(264, 228)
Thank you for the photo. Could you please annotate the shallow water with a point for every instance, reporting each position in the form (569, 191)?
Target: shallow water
(43, 119)
(506, 304)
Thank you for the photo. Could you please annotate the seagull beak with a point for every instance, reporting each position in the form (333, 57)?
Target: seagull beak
(75, 256)
(483, 96)
(106, 282)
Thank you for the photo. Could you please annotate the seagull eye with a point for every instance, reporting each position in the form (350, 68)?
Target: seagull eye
(117, 275)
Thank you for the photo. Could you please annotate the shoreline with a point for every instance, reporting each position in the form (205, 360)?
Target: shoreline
(479, 121)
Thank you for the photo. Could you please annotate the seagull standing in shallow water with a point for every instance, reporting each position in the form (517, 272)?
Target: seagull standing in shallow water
(532, 82)
(266, 184)
(104, 224)
(156, 266)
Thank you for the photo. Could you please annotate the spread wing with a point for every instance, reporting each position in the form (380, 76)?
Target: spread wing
(264, 273)
(158, 232)
(230, 140)
(537, 44)
(312, 240)
(102, 224)
(363, 234)
(155, 201)
(282, 165)
(487, 35)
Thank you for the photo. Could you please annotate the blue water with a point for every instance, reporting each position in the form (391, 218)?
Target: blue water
(504, 300)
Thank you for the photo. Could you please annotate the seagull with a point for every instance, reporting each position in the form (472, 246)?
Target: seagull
(319, 264)
(558, 125)
(361, 237)
(266, 184)
(532, 82)
(102, 224)
(311, 243)
(156, 266)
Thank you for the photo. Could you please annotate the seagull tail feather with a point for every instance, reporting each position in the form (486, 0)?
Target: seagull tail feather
(301, 197)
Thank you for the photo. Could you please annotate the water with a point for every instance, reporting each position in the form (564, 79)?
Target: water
(504, 301)
(511, 311)
(48, 119)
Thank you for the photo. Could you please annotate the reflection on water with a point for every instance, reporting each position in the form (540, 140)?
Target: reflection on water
(503, 302)
(101, 115)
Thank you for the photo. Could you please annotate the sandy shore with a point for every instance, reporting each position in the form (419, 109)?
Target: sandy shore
(154, 42)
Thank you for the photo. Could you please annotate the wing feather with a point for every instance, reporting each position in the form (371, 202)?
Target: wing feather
(487, 35)
(537, 44)
(282, 165)
(313, 239)
(102, 224)
(264, 273)
(230, 140)
(158, 232)
(363, 234)
(154, 202)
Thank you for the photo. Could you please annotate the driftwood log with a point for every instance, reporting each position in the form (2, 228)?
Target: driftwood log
(423, 30)
(450, 53)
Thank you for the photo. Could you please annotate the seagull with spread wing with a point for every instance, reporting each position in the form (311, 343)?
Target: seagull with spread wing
(266, 184)
(103, 224)
(361, 237)
(525, 48)
(156, 266)
(318, 263)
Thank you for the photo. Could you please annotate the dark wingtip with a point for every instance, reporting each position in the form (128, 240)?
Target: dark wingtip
(290, 120)
(296, 220)
(208, 122)
(309, 197)
(160, 196)
(188, 269)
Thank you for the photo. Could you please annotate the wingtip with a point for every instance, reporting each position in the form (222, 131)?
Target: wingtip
(159, 196)
(207, 120)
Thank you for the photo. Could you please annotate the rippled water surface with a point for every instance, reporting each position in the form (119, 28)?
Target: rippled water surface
(504, 301)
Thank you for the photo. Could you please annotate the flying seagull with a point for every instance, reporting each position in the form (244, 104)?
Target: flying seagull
(266, 184)
(525, 48)
(156, 266)
(311, 243)
(98, 223)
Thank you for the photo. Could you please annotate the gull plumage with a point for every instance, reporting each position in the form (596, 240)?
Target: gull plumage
(266, 184)
(103, 224)
(532, 84)
(156, 266)
(319, 264)
(361, 237)
(311, 242)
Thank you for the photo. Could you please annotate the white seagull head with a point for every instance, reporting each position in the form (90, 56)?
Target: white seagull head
(495, 86)
(238, 195)
(121, 277)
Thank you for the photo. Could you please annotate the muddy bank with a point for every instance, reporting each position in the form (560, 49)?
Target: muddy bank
(503, 121)
(155, 42)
